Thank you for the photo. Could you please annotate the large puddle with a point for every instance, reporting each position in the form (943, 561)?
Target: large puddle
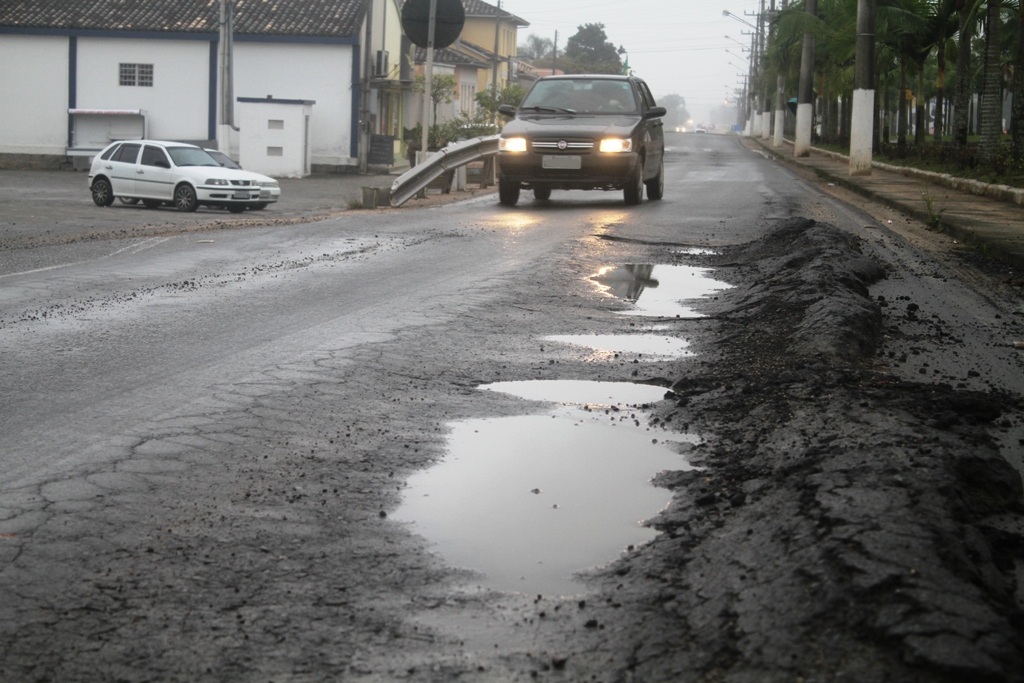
(529, 501)
(658, 290)
(650, 347)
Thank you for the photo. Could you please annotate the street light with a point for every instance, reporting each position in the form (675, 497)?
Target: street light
(745, 59)
(742, 46)
(727, 13)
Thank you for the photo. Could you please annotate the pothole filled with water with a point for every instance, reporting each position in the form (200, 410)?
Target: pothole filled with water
(658, 290)
(528, 502)
(649, 347)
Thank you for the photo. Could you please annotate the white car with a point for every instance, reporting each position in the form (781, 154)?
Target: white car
(270, 189)
(157, 173)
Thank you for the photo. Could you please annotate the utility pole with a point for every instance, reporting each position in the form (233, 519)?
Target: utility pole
(428, 79)
(805, 96)
(227, 75)
(364, 93)
(862, 124)
(554, 56)
(497, 29)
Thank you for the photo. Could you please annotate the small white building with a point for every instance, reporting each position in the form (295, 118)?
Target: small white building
(76, 75)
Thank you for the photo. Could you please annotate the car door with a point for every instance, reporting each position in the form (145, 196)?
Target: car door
(655, 132)
(120, 168)
(153, 174)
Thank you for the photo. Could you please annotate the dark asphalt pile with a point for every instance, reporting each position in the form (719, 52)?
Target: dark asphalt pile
(848, 526)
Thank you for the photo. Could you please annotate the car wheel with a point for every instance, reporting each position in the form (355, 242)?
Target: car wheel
(634, 190)
(656, 185)
(508, 191)
(130, 201)
(185, 198)
(102, 192)
(151, 203)
(236, 208)
(542, 193)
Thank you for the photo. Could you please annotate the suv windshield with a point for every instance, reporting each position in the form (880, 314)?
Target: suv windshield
(191, 156)
(581, 96)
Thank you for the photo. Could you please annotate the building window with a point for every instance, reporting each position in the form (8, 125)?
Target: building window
(136, 74)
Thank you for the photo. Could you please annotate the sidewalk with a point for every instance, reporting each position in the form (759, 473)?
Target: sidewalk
(990, 217)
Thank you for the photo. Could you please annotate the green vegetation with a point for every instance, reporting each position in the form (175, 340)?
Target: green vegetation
(942, 69)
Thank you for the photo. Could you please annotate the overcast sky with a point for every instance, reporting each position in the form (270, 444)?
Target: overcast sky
(677, 46)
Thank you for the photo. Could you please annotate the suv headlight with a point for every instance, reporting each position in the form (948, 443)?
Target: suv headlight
(512, 144)
(615, 145)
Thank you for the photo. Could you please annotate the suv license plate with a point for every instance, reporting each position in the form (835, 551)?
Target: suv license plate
(568, 161)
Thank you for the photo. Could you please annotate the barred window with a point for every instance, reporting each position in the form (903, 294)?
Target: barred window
(136, 74)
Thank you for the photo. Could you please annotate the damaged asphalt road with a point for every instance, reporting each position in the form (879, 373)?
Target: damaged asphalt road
(855, 515)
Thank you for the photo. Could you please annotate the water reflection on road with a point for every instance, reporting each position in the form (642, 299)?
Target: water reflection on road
(658, 290)
(528, 501)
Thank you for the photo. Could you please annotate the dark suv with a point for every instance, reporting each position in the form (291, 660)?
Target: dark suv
(583, 132)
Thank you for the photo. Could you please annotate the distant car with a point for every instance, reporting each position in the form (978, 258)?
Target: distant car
(583, 132)
(160, 173)
(700, 129)
(270, 189)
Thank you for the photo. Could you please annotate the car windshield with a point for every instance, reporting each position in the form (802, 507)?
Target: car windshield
(581, 96)
(223, 159)
(191, 156)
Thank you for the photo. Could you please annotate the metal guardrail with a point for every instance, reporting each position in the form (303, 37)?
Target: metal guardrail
(407, 185)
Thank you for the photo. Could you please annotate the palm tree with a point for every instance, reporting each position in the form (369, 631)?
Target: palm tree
(992, 90)
(1017, 114)
(965, 11)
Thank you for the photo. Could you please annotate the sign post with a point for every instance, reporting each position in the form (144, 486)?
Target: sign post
(431, 24)
(428, 79)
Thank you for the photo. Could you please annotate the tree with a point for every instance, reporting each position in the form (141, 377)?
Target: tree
(965, 18)
(1017, 113)
(677, 114)
(589, 51)
(442, 90)
(991, 97)
(492, 98)
(536, 48)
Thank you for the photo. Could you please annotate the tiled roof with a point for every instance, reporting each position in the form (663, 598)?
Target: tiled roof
(449, 56)
(479, 8)
(252, 17)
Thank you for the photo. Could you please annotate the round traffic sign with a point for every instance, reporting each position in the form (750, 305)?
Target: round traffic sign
(449, 18)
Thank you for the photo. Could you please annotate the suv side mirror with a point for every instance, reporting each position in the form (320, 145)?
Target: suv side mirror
(507, 110)
(655, 113)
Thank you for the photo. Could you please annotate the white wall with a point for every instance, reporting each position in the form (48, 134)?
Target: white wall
(177, 105)
(304, 72)
(273, 140)
(33, 94)
(34, 88)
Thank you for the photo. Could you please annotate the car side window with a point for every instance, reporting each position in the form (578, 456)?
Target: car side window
(645, 92)
(110, 152)
(128, 153)
(154, 156)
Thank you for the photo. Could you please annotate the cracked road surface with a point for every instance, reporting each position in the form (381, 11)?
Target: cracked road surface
(205, 435)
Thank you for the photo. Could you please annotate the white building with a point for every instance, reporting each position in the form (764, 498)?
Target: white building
(76, 75)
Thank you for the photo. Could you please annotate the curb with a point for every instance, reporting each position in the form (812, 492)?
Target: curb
(957, 229)
(1003, 193)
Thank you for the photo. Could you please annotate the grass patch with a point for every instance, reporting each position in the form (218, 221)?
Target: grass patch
(946, 158)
